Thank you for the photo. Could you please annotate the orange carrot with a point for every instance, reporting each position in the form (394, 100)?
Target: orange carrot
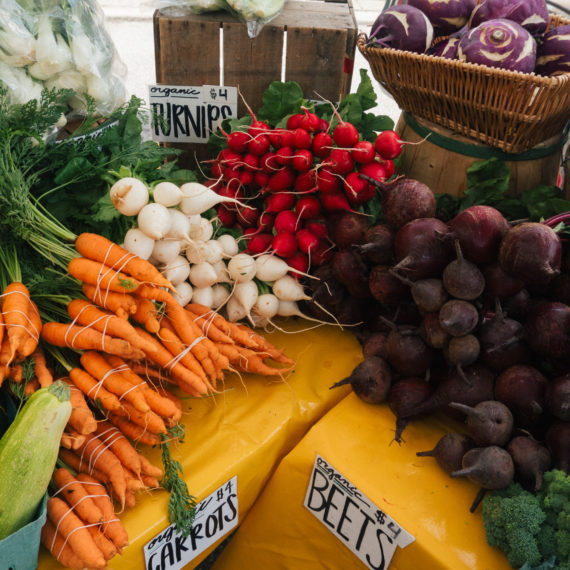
(42, 372)
(147, 420)
(16, 373)
(100, 275)
(59, 547)
(89, 315)
(209, 327)
(112, 526)
(31, 386)
(95, 455)
(2, 324)
(147, 315)
(30, 344)
(149, 469)
(86, 338)
(161, 405)
(96, 365)
(74, 494)
(151, 373)
(99, 248)
(15, 307)
(119, 445)
(4, 358)
(122, 304)
(71, 459)
(95, 390)
(133, 431)
(105, 545)
(72, 439)
(247, 360)
(186, 378)
(265, 346)
(82, 419)
(73, 529)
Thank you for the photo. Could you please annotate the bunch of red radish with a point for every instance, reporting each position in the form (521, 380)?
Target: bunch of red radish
(291, 180)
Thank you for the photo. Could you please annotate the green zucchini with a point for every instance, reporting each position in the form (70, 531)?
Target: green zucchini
(28, 454)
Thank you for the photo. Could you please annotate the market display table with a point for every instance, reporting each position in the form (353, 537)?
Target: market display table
(348, 491)
(233, 443)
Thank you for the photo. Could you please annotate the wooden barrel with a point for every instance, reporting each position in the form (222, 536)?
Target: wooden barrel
(441, 160)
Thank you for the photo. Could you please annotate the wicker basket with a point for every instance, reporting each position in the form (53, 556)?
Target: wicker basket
(508, 110)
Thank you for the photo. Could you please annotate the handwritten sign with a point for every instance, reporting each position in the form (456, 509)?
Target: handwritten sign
(186, 114)
(370, 533)
(216, 515)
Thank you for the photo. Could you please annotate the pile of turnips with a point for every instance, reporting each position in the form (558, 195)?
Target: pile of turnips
(513, 36)
(172, 231)
(289, 181)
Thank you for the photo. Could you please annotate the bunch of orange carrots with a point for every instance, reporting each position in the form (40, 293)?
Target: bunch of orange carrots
(81, 530)
(20, 327)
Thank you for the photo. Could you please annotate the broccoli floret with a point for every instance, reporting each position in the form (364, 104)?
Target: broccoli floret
(555, 500)
(513, 520)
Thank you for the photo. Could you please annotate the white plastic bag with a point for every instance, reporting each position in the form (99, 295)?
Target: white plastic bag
(60, 44)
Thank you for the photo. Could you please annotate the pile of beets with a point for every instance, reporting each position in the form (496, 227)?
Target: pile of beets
(468, 318)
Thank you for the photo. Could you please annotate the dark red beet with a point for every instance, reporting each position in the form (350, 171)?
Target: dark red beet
(531, 460)
(558, 441)
(498, 283)
(405, 395)
(557, 398)
(489, 467)
(405, 199)
(531, 252)
(560, 290)
(386, 288)
(489, 422)
(370, 380)
(449, 451)
(432, 333)
(458, 317)
(352, 272)
(462, 278)
(462, 350)
(349, 228)
(423, 248)
(378, 245)
(548, 329)
(428, 294)
(522, 388)
(502, 343)
(517, 306)
(407, 353)
(375, 345)
(479, 230)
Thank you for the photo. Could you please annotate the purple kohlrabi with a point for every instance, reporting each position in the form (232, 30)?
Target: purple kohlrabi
(499, 43)
(446, 16)
(532, 15)
(402, 27)
(553, 55)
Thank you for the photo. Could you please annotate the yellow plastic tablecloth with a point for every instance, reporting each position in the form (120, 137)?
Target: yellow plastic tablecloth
(356, 439)
(244, 431)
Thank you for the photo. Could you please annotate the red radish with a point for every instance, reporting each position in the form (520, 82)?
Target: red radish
(363, 152)
(322, 254)
(308, 207)
(388, 167)
(246, 178)
(250, 162)
(318, 228)
(258, 145)
(294, 121)
(334, 201)
(281, 180)
(306, 182)
(259, 243)
(302, 160)
(341, 161)
(279, 201)
(299, 262)
(388, 144)
(307, 241)
(284, 244)
(302, 138)
(328, 182)
(248, 217)
(227, 217)
(345, 135)
(280, 138)
(261, 179)
(373, 170)
(324, 126)
(268, 163)
(309, 121)
(228, 157)
(257, 127)
(322, 145)
(286, 221)
(357, 189)
(284, 155)
(237, 141)
(266, 221)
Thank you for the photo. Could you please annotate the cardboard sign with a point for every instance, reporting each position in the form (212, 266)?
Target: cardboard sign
(216, 515)
(370, 533)
(184, 114)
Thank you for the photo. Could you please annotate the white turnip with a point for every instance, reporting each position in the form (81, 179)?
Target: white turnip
(129, 195)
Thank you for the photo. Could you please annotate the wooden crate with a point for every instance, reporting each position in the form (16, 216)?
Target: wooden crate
(312, 42)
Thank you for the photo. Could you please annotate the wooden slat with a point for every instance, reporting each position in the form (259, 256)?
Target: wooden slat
(252, 64)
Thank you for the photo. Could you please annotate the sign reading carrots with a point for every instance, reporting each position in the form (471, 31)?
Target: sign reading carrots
(216, 516)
